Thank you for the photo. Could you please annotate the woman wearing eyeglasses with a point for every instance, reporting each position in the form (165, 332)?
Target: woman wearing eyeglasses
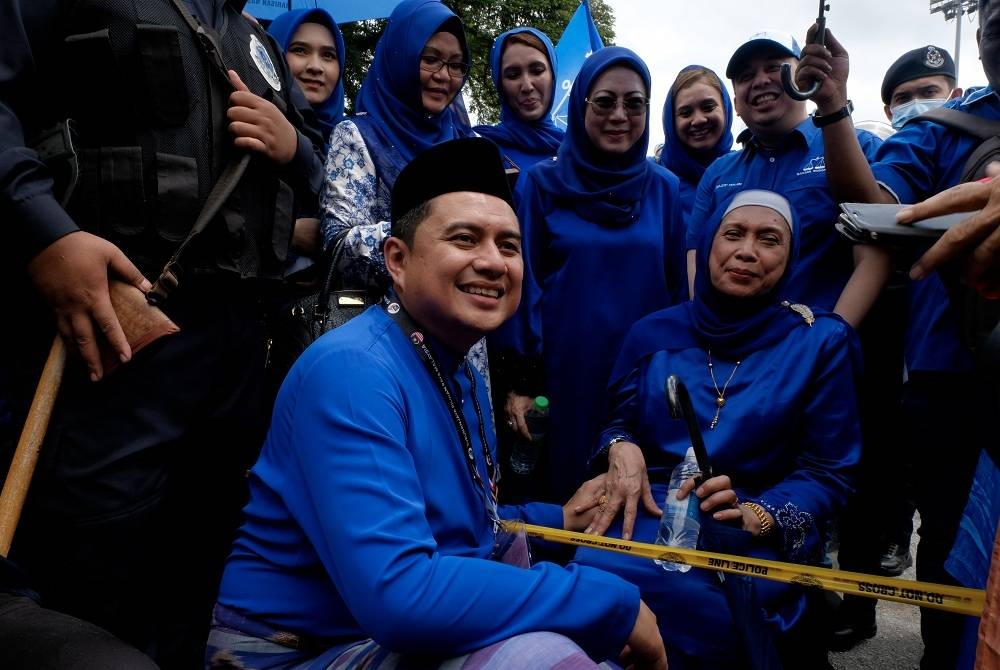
(404, 107)
(523, 61)
(603, 247)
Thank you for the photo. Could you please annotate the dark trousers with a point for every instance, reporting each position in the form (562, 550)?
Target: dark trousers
(939, 425)
(142, 477)
(34, 638)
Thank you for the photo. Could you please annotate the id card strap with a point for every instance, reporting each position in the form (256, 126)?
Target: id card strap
(416, 337)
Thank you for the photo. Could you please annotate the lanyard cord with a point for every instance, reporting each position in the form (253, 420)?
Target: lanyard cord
(402, 319)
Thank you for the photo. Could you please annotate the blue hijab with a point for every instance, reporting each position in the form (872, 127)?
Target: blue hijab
(390, 95)
(600, 187)
(541, 137)
(735, 327)
(331, 111)
(677, 157)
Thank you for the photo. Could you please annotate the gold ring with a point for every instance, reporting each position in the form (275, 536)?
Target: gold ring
(602, 501)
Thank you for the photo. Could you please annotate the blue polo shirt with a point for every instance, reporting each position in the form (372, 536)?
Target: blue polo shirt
(797, 170)
(922, 159)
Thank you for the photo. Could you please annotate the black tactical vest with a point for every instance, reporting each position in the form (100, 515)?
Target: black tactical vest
(150, 111)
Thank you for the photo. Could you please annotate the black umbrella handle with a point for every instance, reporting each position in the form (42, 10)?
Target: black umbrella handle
(786, 68)
(680, 408)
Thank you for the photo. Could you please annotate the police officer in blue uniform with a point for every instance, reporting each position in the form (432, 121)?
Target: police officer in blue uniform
(142, 475)
(922, 159)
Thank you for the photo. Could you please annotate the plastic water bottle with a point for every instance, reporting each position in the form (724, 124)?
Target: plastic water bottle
(524, 453)
(681, 521)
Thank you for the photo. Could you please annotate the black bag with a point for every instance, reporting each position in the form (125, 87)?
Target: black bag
(301, 321)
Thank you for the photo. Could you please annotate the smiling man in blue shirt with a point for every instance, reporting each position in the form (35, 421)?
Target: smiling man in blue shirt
(783, 152)
(371, 529)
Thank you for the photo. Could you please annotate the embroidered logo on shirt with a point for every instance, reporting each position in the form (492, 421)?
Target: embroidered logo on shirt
(815, 164)
(262, 59)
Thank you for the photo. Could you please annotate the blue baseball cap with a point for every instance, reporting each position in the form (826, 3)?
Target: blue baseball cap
(766, 40)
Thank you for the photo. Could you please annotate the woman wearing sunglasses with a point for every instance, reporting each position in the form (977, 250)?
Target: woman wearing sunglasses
(404, 107)
(603, 247)
(523, 62)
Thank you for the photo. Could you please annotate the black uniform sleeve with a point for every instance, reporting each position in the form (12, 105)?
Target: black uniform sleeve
(29, 210)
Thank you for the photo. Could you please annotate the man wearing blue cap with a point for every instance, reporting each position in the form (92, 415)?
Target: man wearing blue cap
(924, 158)
(783, 152)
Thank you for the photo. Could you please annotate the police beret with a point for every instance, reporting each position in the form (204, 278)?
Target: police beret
(770, 40)
(928, 61)
(467, 164)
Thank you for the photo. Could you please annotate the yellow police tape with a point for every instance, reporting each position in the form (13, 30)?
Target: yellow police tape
(937, 596)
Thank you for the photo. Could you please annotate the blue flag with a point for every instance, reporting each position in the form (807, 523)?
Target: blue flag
(342, 11)
(578, 41)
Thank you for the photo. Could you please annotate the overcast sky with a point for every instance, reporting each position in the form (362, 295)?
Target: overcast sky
(670, 34)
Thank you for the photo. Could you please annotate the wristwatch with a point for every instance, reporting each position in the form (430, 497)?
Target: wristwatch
(826, 119)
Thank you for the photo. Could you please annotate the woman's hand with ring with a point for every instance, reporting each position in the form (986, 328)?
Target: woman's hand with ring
(627, 484)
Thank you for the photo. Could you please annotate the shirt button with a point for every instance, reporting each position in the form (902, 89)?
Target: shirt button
(771, 159)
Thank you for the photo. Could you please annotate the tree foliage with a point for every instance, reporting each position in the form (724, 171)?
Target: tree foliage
(483, 20)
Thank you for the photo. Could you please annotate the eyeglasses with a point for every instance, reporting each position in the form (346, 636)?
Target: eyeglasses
(434, 64)
(605, 105)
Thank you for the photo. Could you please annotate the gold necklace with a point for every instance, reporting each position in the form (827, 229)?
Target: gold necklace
(720, 396)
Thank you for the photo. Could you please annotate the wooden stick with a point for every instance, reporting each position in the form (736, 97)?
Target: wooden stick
(15, 488)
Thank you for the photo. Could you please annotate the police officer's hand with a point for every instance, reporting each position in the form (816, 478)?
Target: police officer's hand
(71, 274)
(828, 65)
(258, 125)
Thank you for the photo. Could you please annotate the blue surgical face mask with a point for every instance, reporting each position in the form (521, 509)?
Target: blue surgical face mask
(903, 113)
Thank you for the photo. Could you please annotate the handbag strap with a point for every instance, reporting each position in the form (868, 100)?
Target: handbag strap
(330, 279)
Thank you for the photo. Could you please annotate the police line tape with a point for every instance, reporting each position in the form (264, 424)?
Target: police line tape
(937, 596)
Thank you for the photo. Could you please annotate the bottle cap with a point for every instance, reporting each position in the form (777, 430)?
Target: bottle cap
(541, 402)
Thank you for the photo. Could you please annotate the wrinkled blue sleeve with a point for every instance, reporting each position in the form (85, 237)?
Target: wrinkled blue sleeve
(353, 447)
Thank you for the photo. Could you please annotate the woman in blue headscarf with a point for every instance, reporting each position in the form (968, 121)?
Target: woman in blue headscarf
(314, 50)
(697, 127)
(603, 247)
(772, 386)
(404, 107)
(523, 62)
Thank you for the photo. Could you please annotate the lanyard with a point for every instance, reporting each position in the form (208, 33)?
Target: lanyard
(402, 319)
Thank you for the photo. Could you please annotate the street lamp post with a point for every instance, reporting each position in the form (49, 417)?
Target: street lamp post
(954, 9)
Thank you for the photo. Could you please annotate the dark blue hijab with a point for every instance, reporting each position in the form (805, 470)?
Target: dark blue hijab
(600, 187)
(734, 327)
(390, 94)
(677, 157)
(331, 111)
(541, 137)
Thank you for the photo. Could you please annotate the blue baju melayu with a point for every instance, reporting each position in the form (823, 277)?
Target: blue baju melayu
(603, 247)
(524, 143)
(787, 436)
(679, 159)
(365, 521)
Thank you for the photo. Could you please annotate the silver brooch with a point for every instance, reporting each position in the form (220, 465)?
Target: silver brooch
(801, 310)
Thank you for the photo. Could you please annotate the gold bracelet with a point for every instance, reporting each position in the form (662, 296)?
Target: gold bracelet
(766, 525)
